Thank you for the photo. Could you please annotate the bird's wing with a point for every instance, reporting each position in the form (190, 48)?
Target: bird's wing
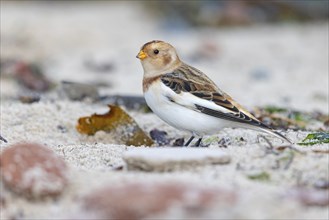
(199, 93)
(196, 91)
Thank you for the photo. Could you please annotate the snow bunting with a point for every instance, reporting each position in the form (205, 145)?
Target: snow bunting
(187, 99)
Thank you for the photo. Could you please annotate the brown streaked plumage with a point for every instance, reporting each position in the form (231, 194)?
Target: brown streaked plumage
(181, 95)
(189, 79)
(197, 83)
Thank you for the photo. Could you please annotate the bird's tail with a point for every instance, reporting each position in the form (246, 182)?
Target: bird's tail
(276, 134)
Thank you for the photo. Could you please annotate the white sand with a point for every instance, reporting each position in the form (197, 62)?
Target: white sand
(294, 57)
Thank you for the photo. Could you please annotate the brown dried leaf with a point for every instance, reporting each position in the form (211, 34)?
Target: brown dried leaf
(118, 122)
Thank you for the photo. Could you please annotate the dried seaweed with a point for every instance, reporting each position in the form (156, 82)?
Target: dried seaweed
(115, 121)
(262, 176)
(274, 109)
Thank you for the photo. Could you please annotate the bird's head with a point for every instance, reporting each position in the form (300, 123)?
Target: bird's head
(158, 57)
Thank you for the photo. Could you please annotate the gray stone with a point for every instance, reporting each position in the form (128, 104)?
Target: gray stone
(79, 91)
(169, 159)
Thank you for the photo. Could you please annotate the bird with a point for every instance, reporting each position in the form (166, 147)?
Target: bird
(187, 99)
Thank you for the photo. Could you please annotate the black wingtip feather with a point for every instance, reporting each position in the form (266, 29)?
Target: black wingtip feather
(275, 133)
(244, 120)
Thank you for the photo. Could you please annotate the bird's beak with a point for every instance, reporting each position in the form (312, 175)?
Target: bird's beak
(141, 55)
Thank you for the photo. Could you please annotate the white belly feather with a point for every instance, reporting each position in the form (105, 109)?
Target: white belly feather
(179, 116)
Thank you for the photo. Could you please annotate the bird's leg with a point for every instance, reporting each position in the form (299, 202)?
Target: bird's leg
(189, 141)
(197, 144)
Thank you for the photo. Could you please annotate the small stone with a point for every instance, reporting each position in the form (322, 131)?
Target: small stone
(129, 102)
(62, 128)
(168, 159)
(160, 137)
(33, 170)
(224, 142)
(321, 184)
(146, 200)
(30, 98)
(31, 76)
(178, 142)
(79, 91)
(310, 197)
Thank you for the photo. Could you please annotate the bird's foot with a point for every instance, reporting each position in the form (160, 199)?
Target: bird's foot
(197, 144)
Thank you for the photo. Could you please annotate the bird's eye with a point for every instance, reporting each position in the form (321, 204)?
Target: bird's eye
(156, 51)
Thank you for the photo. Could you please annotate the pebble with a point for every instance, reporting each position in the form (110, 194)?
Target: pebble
(147, 200)
(129, 102)
(321, 184)
(33, 170)
(31, 76)
(168, 159)
(79, 91)
(178, 142)
(224, 142)
(309, 197)
(29, 98)
(160, 137)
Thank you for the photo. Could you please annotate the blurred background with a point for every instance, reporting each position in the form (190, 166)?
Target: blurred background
(278, 49)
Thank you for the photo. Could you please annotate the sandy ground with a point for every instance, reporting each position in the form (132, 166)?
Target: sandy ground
(284, 65)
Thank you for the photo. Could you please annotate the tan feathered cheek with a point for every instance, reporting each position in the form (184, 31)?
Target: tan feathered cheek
(166, 59)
